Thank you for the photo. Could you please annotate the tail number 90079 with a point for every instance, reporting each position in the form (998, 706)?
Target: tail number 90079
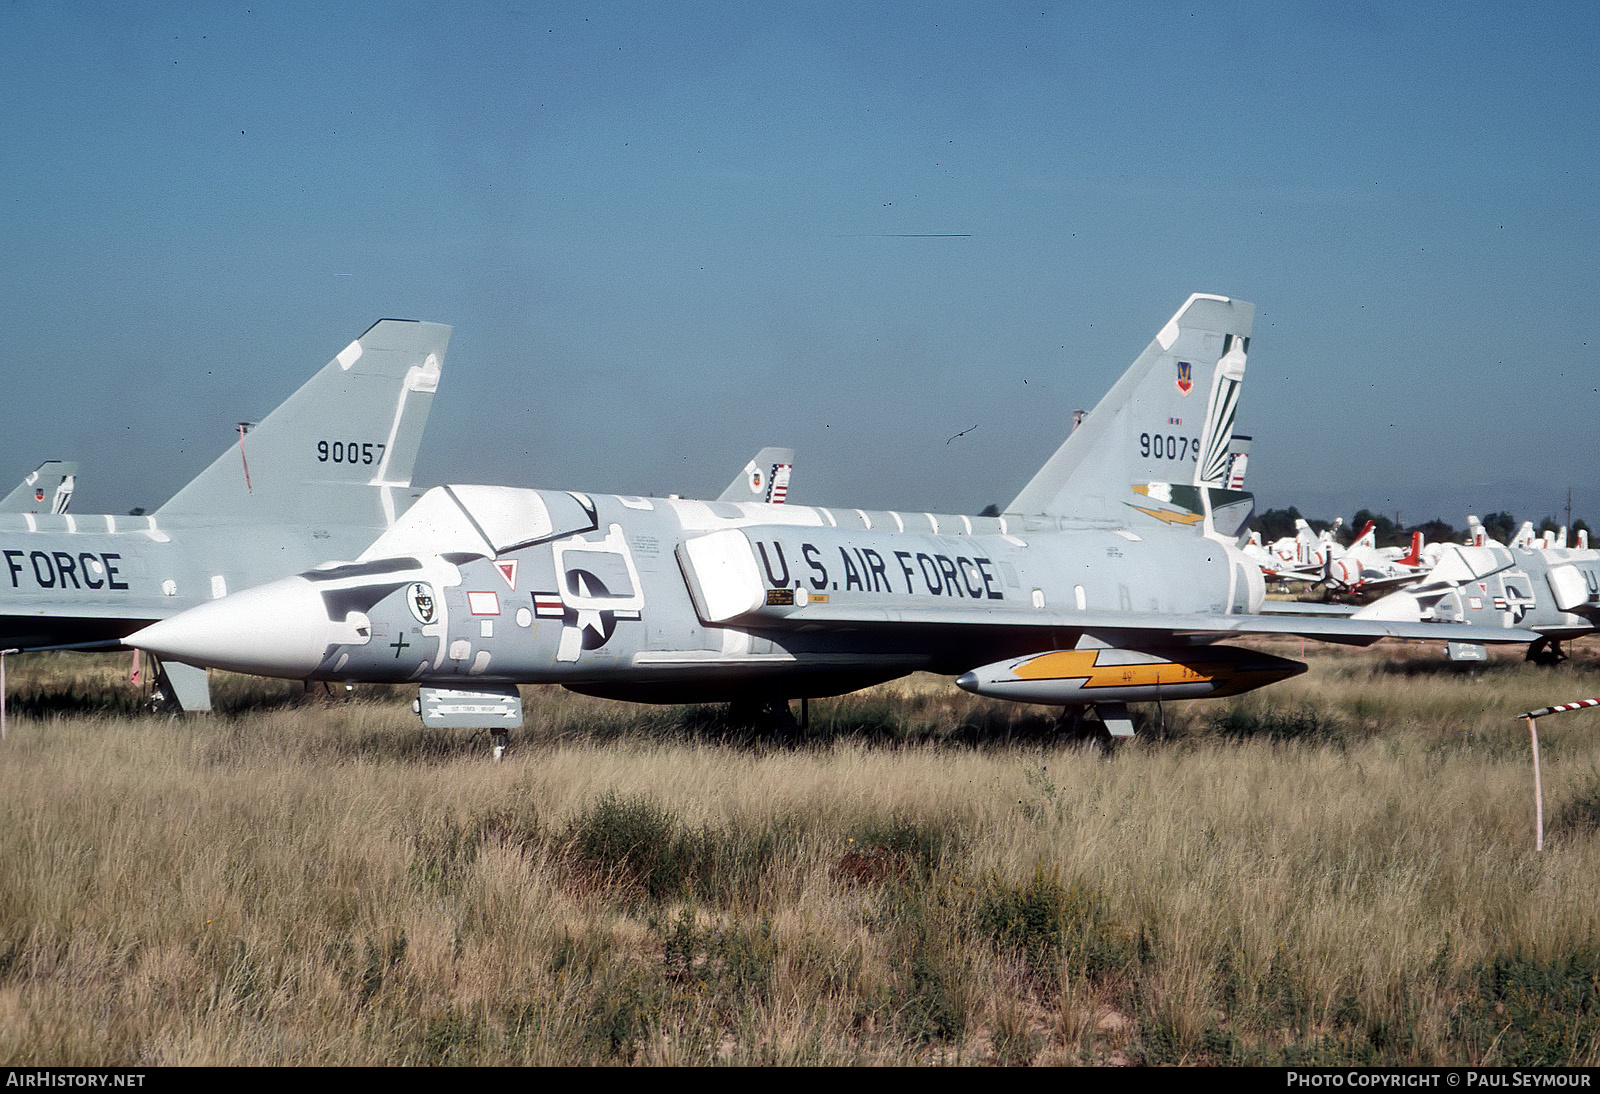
(367, 452)
(1166, 446)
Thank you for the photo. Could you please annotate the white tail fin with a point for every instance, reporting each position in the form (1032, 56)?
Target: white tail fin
(1155, 450)
(765, 478)
(45, 489)
(337, 450)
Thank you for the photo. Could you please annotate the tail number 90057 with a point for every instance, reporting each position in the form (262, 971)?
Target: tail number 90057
(1168, 447)
(367, 452)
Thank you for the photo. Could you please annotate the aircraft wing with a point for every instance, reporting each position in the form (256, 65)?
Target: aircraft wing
(1391, 581)
(79, 626)
(1355, 632)
(1302, 608)
(1308, 575)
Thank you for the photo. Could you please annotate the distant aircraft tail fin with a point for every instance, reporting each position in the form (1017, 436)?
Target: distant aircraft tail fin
(1154, 452)
(1306, 545)
(45, 489)
(765, 478)
(1367, 537)
(1412, 557)
(340, 450)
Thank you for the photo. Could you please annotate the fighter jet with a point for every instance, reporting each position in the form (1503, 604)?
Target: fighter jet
(1554, 592)
(46, 489)
(323, 474)
(1106, 581)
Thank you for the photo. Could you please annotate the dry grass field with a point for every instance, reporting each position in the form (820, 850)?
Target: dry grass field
(1339, 869)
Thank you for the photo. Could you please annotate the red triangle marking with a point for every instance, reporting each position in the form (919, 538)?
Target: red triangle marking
(508, 570)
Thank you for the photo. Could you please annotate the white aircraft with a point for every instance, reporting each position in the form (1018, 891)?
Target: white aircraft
(1107, 580)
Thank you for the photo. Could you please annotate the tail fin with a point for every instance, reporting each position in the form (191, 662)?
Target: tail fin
(1367, 537)
(46, 489)
(1412, 557)
(1305, 542)
(1154, 451)
(1238, 461)
(338, 449)
(765, 478)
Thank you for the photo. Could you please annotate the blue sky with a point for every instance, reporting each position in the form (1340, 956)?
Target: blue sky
(668, 237)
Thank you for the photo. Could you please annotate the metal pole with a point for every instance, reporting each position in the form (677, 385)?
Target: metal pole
(1532, 718)
(1538, 793)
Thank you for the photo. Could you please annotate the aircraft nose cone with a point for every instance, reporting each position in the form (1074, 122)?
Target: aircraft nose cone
(278, 629)
(968, 681)
(1396, 607)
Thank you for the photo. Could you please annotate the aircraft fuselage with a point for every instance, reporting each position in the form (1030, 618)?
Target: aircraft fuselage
(673, 600)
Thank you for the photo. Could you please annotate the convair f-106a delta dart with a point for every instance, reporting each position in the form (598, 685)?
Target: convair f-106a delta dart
(1108, 580)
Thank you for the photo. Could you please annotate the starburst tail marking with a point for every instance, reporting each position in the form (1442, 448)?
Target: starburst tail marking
(1150, 428)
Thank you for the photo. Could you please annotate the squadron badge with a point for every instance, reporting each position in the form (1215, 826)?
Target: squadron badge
(419, 598)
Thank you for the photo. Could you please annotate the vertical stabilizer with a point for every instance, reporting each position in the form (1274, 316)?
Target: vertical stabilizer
(45, 489)
(338, 451)
(764, 479)
(1155, 451)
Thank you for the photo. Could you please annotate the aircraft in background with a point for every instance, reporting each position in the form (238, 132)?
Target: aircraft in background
(323, 474)
(46, 489)
(1106, 581)
(1363, 567)
(1321, 561)
(1297, 558)
(1551, 591)
(764, 479)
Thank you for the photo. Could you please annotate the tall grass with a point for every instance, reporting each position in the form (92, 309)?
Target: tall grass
(1337, 870)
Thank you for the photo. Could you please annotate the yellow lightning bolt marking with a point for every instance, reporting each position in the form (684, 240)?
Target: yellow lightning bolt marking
(1069, 664)
(1169, 516)
(1229, 676)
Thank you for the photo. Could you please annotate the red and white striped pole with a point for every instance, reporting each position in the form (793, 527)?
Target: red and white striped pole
(1532, 718)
